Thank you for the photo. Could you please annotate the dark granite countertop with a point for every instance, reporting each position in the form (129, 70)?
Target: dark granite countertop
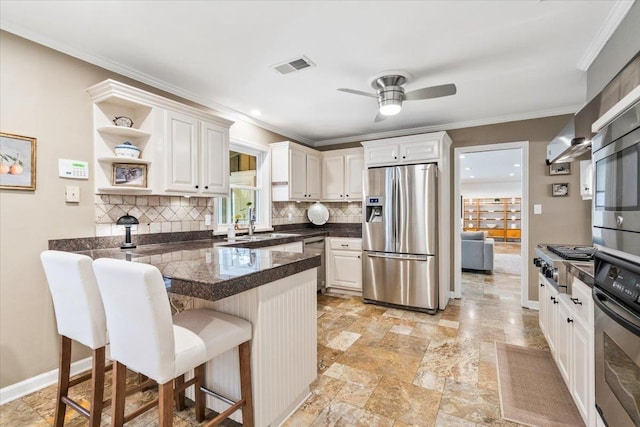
(582, 270)
(210, 270)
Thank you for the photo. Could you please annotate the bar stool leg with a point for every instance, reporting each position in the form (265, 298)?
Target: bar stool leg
(180, 396)
(165, 401)
(199, 373)
(64, 371)
(118, 394)
(244, 352)
(97, 387)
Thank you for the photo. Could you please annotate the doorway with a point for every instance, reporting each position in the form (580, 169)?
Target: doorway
(501, 215)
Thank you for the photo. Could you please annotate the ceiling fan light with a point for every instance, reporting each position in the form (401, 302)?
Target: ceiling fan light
(390, 108)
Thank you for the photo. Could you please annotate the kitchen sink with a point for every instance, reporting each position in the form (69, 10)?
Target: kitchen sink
(277, 235)
(252, 238)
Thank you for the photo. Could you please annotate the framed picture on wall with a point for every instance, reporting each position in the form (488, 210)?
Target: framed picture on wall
(560, 169)
(17, 162)
(560, 190)
(129, 175)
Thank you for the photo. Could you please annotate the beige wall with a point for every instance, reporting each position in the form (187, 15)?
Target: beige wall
(563, 219)
(43, 95)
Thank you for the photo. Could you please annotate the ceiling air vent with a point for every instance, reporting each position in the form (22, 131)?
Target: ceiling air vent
(296, 64)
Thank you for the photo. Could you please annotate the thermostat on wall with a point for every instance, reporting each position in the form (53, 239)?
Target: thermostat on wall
(76, 169)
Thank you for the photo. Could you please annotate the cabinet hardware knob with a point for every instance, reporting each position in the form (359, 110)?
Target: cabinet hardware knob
(196, 186)
(404, 157)
(341, 195)
(358, 256)
(395, 158)
(569, 320)
(576, 301)
(555, 301)
(206, 187)
(347, 195)
(552, 298)
(542, 285)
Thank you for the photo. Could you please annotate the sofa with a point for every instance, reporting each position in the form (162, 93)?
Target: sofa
(477, 251)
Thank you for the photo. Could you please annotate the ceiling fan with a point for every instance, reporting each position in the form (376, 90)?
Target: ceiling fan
(390, 93)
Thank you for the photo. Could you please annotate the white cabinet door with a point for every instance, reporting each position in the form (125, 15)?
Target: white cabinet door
(542, 303)
(419, 151)
(297, 175)
(582, 371)
(313, 178)
(333, 178)
(347, 269)
(551, 316)
(563, 339)
(354, 165)
(214, 157)
(182, 153)
(382, 155)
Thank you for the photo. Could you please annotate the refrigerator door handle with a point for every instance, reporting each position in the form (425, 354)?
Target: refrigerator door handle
(398, 256)
(396, 208)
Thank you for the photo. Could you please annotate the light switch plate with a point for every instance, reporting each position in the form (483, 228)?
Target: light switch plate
(72, 194)
(537, 209)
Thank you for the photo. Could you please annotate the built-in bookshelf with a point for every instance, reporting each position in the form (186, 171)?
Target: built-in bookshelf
(500, 217)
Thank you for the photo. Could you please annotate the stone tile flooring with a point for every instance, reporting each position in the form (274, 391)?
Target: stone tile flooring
(381, 366)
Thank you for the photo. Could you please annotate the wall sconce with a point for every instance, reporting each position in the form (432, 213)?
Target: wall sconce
(127, 220)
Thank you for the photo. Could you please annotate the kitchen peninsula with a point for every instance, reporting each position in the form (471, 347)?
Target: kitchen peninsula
(275, 291)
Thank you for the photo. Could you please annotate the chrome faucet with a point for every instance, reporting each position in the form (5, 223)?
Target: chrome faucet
(252, 221)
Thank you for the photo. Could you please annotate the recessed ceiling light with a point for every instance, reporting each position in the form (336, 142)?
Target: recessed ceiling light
(516, 165)
(256, 113)
(471, 176)
(462, 156)
(467, 169)
(512, 174)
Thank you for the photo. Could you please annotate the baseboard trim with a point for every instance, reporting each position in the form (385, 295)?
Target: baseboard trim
(22, 388)
(533, 305)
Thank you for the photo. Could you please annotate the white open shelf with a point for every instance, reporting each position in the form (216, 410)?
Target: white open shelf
(117, 159)
(124, 131)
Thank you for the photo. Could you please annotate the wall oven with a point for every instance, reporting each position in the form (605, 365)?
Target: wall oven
(617, 340)
(616, 201)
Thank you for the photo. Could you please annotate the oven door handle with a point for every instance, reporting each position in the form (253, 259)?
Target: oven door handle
(618, 313)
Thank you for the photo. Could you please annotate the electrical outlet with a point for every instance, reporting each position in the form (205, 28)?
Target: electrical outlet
(207, 219)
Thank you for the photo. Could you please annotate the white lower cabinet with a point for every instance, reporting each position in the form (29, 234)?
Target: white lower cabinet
(567, 323)
(344, 263)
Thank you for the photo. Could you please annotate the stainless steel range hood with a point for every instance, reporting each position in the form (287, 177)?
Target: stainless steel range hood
(565, 147)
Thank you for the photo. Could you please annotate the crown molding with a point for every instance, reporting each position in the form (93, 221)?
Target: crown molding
(222, 110)
(449, 126)
(615, 17)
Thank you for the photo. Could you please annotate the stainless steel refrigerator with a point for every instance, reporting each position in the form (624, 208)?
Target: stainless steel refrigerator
(400, 236)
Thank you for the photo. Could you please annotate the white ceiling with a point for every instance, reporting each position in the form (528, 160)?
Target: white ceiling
(510, 60)
(491, 166)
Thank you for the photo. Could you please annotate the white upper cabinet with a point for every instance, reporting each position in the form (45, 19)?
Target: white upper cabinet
(197, 153)
(404, 149)
(184, 150)
(295, 172)
(342, 174)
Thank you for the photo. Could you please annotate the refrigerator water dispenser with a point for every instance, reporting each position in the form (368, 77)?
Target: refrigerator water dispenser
(374, 209)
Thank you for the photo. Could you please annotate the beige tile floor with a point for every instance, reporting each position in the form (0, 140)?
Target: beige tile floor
(381, 366)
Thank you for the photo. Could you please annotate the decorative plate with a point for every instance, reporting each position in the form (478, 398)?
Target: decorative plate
(123, 121)
(318, 214)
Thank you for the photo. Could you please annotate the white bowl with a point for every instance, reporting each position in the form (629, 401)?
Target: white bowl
(127, 149)
(491, 225)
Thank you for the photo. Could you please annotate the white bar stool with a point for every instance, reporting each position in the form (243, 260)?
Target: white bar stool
(80, 317)
(144, 337)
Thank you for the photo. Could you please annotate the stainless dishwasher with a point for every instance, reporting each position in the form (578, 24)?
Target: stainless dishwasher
(315, 245)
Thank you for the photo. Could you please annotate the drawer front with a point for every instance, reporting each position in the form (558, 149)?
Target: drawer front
(582, 301)
(345, 244)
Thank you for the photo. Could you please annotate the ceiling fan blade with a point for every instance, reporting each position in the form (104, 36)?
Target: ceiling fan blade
(379, 117)
(358, 92)
(431, 92)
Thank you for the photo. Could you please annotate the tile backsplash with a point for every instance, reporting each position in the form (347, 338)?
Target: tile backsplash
(165, 214)
(156, 214)
(294, 213)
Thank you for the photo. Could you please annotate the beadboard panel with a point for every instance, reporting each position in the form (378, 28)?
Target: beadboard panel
(283, 347)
